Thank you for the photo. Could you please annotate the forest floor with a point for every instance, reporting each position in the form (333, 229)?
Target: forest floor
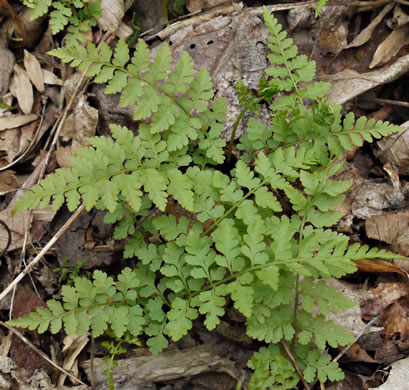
(360, 47)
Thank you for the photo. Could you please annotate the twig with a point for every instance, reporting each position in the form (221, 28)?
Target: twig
(389, 101)
(294, 363)
(4, 224)
(91, 366)
(42, 252)
(368, 325)
(41, 353)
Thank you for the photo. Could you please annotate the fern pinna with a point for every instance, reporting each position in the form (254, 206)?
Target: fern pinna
(78, 16)
(238, 239)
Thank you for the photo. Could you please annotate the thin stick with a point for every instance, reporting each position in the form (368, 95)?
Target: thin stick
(368, 325)
(41, 353)
(42, 252)
(295, 365)
(91, 368)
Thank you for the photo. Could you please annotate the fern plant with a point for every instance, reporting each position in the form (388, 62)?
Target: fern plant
(77, 16)
(259, 237)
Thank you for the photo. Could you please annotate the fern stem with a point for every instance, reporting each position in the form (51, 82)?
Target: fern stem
(236, 125)
(296, 303)
(295, 365)
(233, 133)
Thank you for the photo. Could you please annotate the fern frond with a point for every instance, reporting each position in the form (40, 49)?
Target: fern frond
(150, 85)
(94, 306)
(272, 370)
(354, 133)
(288, 69)
(39, 7)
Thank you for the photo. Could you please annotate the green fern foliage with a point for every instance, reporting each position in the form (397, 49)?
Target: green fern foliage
(319, 130)
(77, 15)
(259, 236)
(153, 158)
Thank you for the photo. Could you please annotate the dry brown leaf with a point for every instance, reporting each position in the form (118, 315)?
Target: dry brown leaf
(81, 124)
(13, 121)
(76, 344)
(17, 143)
(396, 322)
(381, 296)
(113, 12)
(392, 228)
(45, 214)
(395, 150)
(379, 266)
(6, 66)
(14, 142)
(19, 223)
(390, 46)
(8, 182)
(51, 78)
(34, 70)
(372, 198)
(367, 32)
(357, 354)
(62, 155)
(23, 90)
(348, 84)
(17, 226)
(124, 31)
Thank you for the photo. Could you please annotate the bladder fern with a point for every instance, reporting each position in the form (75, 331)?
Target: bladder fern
(236, 240)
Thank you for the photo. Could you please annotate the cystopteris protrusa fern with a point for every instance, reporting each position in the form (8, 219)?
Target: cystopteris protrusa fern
(259, 236)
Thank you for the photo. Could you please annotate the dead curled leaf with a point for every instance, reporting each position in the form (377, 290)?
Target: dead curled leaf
(366, 34)
(51, 78)
(357, 354)
(13, 121)
(395, 149)
(22, 89)
(392, 228)
(34, 70)
(381, 296)
(390, 46)
(8, 182)
(396, 322)
(112, 13)
(348, 84)
(379, 266)
(6, 65)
